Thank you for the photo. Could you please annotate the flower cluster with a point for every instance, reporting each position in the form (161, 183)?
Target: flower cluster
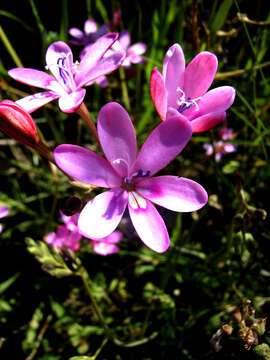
(183, 102)
(222, 146)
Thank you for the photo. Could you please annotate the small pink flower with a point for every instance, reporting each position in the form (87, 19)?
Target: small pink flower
(129, 177)
(66, 235)
(69, 78)
(4, 211)
(183, 91)
(221, 147)
(107, 245)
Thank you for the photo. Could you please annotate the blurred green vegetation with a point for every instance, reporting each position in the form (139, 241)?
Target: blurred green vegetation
(219, 257)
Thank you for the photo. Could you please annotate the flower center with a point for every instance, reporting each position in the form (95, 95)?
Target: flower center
(128, 182)
(185, 103)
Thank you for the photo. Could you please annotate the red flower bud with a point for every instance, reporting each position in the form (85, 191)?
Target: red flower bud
(17, 123)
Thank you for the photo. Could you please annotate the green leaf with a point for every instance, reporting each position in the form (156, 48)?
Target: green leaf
(6, 284)
(221, 15)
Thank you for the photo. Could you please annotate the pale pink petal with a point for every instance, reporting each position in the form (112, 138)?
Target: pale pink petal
(102, 214)
(173, 193)
(158, 93)
(104, 249)
(104, 66)
(163, 144)
(102, 81)
(137, 49)
(216, 100)
(33, 102)
(1, 228)
(117, 137)
(70, 102)
(90, 26)
(92, 54)
(114, 238)
(4, 211)
(173, 72)
(32, 77)
(86, 166)
(206, 122)
(124, 39)
(200, 74)
(75, 32)
(208, 149)
(59, 56)
(150, 226)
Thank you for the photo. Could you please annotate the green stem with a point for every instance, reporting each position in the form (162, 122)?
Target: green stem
(86, 116)
(124, 88)
(10, 48)
(85, 279)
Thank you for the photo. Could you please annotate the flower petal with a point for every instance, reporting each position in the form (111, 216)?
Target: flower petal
(102, 214)
(92, 54)
(150, 227)
(75, 32)
(216, 100)
(90, 26)
(173, 193)
(158, 93)
(33, 102)
(104, 249)
(86, 166)
(137, 49)
(105, 66)
(59, 56)
(117, 137)
(206, 122)
(4, 211)
(163, 144)
(70, 102)
(32, 77)
(200, 74)
(124, 39)
(173, 72)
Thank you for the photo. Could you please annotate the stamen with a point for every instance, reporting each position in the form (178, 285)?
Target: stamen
(140, 173)
(184, 103)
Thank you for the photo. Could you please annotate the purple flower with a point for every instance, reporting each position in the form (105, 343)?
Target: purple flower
(90, 34)
(221, 147)
(69, 78)
(107, 245)
(129, 177)
(4, 211)
(133, 52)
(183, 91)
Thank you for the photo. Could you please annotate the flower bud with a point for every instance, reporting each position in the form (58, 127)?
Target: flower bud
(17, 123)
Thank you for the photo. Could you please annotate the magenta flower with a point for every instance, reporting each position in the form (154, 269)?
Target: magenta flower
(129, 177)
(69, 78)
(184, 91)
(107, 245)
(4, 211)
(221, 147)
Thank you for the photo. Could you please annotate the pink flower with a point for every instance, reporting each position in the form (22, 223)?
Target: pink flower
(66, 235)
(4, 211)
(221, 147)
(69, 78)
(129, 177)
(107, 245)
(183, 91)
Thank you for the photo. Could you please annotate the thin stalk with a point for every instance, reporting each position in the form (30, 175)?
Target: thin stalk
(84, 276)
(86, 116)
(10, 48)
(124, 88)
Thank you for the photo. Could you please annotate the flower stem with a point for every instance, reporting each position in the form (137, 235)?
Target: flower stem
(85, 279)
(85, 115)
(124, 88)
